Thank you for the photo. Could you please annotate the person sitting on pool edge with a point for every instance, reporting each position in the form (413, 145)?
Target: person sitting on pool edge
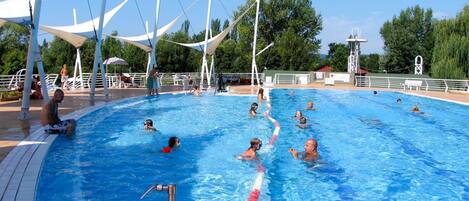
(302, 123)
(310, 105)
(148, 125)
(298, 115)
(309, 154)
(173, 142)
(50, 116)
(253, 110)
(251, 153)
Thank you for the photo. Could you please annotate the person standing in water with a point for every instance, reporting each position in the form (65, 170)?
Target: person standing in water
(309, 154)
(150, 81)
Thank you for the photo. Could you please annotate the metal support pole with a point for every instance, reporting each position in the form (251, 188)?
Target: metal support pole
(204, 61)
(30, 62)
(254, 65)
(154, 40)
(97, 52)
(42, 75)
(148, 64)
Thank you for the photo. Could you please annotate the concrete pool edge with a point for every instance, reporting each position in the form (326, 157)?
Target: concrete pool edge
(22, 166)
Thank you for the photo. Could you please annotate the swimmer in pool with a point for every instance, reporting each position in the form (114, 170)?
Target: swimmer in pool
(253, 110)
(148, 125)
(302, 123)
(251, 153)
(310, 105)
(310, 153)
(196, 91)
(399, 101)
(375, 93)
(416, 109)
(298, 115)
(173, 142)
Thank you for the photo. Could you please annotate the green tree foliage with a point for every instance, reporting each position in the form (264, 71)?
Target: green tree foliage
(111, 47)
(371, 62)
(292, 25)
(407, 36)
(13, 48)
(58, 53)
(338, 56)
(451, 53)
(135, 57)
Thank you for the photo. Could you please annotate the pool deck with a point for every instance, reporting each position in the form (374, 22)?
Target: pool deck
(23, 144)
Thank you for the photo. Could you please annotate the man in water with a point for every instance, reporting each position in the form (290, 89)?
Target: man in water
(148, 125)
(50, 117)
(253, 110)
(251, 153)
(173, 142)
(399, 101)
(310, 105)
(310, 153)
(416, 109)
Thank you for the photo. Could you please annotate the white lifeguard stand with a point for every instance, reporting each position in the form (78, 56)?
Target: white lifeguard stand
(418, 65)
(354, 41)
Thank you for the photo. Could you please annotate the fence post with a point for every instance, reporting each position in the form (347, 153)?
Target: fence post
(446, 86)
(426, 88)
(389, 83)
(369, 81)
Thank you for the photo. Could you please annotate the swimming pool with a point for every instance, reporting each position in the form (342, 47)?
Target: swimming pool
(371, 149)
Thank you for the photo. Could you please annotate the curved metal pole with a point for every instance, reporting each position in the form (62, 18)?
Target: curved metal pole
(24, 114)
(97, 55)
(254, 65)
(204, 61)
(154, 40)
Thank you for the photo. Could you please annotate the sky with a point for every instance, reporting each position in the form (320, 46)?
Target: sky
(339, 16)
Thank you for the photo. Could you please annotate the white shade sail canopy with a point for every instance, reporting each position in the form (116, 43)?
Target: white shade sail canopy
(16, 11)
(215, 41)
(143, 41)
(115, 61)
(77, 34)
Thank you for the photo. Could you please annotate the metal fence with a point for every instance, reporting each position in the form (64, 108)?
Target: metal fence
(426, 84)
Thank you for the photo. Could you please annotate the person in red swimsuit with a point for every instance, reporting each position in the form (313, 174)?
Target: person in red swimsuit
(173, 142)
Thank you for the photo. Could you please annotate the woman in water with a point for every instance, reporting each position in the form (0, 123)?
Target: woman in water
(156, 84)
(260, 95)
(196, 91)
(302, 123)
(416, 110)
(251, 153)
(253, 110)
(148, 125)
(298, 115)
(173, 142)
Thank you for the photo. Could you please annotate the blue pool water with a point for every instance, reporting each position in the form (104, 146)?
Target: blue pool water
(371, 149)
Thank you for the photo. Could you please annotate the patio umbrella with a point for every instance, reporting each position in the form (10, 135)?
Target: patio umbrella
(114, 61)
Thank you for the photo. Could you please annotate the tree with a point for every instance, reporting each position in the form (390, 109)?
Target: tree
(13, 48)
(451, 54)
(407, 36)
(371, 62)
(292, 25)
(111, 47)
(135, 57)
(338, 56)
(58, 53)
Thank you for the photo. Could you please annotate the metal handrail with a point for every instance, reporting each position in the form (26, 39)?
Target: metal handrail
(400, 83)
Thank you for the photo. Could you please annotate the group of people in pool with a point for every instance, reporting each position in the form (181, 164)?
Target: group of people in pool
(415, 108)
(310, 152)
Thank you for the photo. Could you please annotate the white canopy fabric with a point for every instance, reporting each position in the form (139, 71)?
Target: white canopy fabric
(115, 61)
(142, 42)
(16, 11)
(215, 41)
(77, 34)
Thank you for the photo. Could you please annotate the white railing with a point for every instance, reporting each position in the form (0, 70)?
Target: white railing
(426, 84)
(286, 78)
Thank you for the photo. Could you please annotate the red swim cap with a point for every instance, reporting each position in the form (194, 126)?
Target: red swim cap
(166, 150)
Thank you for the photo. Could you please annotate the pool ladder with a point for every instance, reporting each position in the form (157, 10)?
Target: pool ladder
(171, 189)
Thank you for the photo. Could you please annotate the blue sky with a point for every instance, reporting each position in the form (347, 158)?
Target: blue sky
(339, 16)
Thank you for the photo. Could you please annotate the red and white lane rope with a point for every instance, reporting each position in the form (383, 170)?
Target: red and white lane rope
(256, 189)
